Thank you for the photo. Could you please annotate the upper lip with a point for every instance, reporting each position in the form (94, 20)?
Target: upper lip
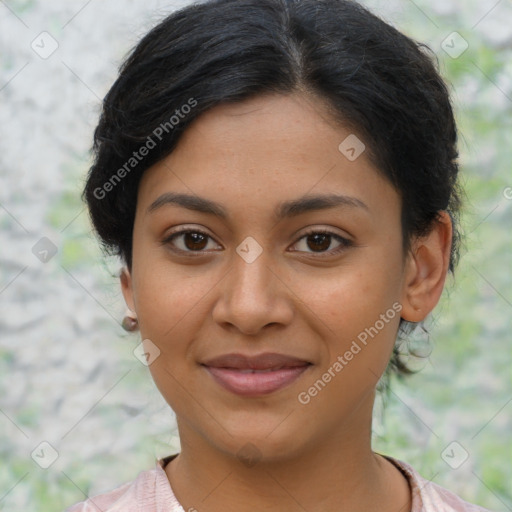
(266, 361)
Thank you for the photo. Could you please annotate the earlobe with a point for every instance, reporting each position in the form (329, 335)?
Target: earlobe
(426, 269)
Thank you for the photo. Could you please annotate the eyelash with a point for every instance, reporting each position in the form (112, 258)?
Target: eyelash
(345, 243)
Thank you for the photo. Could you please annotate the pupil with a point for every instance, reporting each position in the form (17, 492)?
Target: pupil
(319, 238)
(196, 239)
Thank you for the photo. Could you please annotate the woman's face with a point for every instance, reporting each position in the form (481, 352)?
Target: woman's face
(251, 181)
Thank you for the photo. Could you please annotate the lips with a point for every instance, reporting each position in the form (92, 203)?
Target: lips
(255, 375)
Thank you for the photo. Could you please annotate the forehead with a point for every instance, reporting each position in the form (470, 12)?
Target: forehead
(268, 126)
(260, 152)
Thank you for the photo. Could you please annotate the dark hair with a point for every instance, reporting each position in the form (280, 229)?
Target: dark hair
(372, 78)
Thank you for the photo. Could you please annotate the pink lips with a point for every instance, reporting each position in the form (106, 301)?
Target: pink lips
(255, 375)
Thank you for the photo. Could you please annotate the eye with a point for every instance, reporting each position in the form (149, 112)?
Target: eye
(189, 240)
(196, 241)
(320, 240)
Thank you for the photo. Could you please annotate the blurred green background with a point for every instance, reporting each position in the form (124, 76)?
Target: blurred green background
(69, 376)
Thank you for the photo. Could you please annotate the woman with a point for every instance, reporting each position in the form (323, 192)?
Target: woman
(280, 181)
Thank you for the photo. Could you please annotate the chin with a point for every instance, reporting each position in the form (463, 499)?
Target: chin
(252, 444)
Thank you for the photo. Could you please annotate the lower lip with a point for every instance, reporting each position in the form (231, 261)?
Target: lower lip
(258, 383)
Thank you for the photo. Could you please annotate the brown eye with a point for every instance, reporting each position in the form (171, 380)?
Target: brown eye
(195, 241)
(320, 241)
(188, 241)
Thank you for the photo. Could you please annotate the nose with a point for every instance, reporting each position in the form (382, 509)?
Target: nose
(252, 296)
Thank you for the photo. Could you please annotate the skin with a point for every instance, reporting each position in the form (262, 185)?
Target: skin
(298, 297)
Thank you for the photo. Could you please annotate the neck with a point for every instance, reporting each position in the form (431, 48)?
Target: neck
(339, 473)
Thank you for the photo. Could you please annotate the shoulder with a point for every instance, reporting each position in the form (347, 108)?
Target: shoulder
(148, 492)
(105, 501)
(428, 496)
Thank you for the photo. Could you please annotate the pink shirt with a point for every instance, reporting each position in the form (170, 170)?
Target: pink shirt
(151, 492)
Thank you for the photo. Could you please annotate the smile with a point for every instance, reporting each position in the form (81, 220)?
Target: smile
(255, 375)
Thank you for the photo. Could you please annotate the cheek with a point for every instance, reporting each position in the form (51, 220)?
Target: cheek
(358, 318)
(171, 306)
(350, 299)
(357, 313)
(164, 292)
(169, 302)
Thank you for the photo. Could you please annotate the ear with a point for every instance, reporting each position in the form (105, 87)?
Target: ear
(426, 268)
(127, 288)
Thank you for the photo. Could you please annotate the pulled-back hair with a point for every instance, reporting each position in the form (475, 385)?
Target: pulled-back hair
(373, 79)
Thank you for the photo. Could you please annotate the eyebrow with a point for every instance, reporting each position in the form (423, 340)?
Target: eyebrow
(285, 209)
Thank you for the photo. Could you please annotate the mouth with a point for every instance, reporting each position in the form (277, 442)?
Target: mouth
(255, 375)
